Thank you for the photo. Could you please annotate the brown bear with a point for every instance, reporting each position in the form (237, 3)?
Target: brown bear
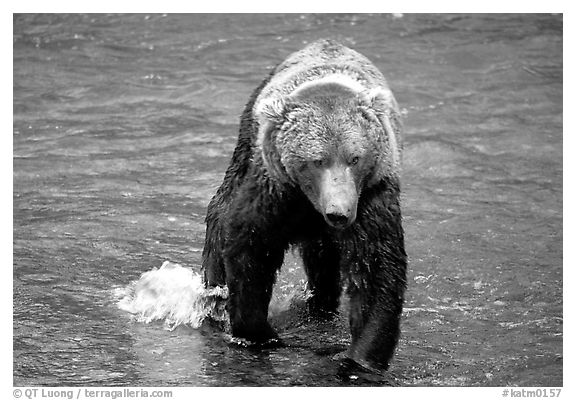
(316, 166)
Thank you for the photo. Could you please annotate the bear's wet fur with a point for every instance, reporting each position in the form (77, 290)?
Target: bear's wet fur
(315, 166)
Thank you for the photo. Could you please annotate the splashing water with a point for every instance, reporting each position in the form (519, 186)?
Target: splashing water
(174, 294)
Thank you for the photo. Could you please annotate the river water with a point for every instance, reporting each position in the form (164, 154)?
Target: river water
(124, 125)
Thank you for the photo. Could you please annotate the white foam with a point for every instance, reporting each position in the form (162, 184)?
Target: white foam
(175, 295)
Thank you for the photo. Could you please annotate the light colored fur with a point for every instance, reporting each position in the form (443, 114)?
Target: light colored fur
(326, 62)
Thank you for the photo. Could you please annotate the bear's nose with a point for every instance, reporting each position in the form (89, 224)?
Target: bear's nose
(337, 220)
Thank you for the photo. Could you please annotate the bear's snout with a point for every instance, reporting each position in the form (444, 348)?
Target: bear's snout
(338, 197)
(338, 220)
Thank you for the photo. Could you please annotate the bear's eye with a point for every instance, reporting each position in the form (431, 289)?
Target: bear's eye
(354, 160)
(302, 167)
(318, 163)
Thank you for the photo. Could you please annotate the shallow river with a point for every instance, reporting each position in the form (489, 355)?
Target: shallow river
(124, 125)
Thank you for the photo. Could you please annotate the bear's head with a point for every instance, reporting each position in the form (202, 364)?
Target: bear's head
(332, 145)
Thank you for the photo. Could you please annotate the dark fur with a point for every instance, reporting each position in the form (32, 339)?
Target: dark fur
(251, 222)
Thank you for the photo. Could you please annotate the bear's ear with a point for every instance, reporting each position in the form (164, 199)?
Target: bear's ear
(380, 100)
(270, 114)
(270, 111)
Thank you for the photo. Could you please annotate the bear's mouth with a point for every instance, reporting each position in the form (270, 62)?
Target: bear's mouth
(338, 221)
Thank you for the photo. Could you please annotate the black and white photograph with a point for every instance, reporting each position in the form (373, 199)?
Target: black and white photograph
(287, 200)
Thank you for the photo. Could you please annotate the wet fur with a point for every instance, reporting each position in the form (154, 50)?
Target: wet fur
(259, 212)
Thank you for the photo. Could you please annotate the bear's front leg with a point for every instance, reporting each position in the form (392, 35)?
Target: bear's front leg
(375, 327)
(250, 285)
(252, 257)
(376, 263)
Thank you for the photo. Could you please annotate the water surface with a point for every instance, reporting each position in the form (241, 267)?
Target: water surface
(124, 125)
